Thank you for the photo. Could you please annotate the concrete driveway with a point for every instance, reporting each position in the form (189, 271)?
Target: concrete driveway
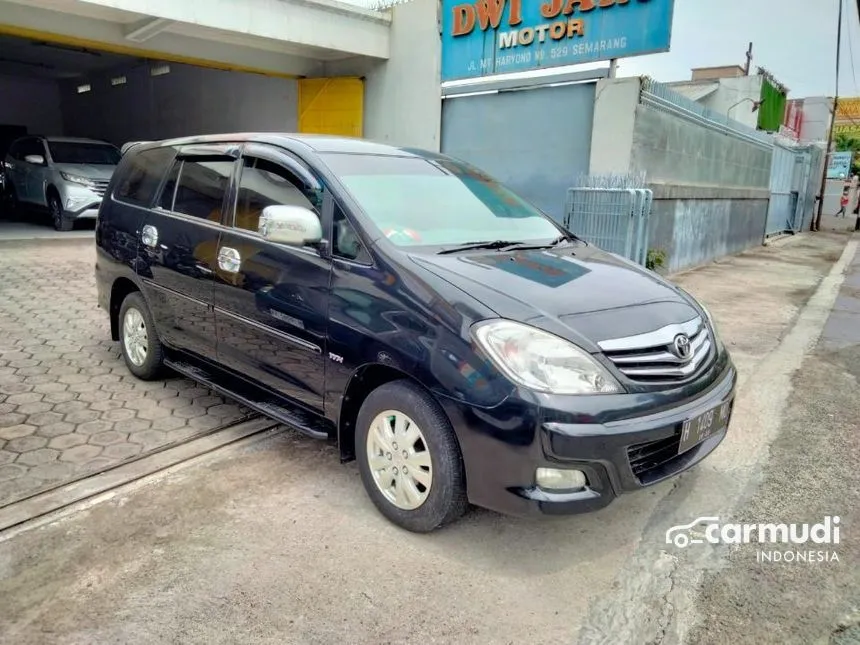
(274, 542)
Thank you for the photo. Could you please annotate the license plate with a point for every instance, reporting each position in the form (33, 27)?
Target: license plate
(707, 424)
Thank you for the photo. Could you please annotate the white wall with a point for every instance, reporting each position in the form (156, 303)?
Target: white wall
(402, 97)
(733, 90)
(32, 103)
(614, 120)
(187, 101)
(817, 113)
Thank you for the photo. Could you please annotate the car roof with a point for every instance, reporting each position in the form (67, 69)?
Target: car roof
(73, 140)
(315, 142)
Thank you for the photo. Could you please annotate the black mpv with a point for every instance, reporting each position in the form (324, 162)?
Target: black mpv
(457, 342)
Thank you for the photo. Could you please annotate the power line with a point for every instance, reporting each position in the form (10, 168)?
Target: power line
(851, 52)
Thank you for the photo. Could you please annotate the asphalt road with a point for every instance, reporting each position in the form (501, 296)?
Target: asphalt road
(277, 543)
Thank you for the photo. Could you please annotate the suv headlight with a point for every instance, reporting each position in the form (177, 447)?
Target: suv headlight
(75, 179)
(542, 361)
(718, 342)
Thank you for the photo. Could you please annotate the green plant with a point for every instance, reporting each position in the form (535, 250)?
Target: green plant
(656, 259)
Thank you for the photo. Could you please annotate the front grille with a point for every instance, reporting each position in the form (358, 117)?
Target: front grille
(645, 457)
(100, 186)
(654, 358)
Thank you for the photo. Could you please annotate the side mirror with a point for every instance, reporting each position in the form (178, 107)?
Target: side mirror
(293, 225)
(36, 160)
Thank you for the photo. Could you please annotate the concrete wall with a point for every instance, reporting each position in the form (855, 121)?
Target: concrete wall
(673, 150)
(711, 189)
(187, 101)
(402, 97)
(32, 103)
(696, 225)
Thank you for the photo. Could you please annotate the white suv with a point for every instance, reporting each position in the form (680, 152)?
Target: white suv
(66, 176)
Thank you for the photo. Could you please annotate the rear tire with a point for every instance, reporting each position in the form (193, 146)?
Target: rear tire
(401, 427)
(141, 348)
(55, 208)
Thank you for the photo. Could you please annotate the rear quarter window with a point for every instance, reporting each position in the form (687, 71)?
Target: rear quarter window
(142, 174)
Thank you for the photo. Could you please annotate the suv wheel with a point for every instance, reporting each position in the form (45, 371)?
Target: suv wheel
(409, 458)
(61, 222)
(141, 349)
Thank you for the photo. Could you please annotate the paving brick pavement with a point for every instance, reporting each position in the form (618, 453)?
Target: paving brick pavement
(68, 405)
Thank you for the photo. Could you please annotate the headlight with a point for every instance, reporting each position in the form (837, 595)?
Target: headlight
(542, 361)
(718, 342)
(75, 179)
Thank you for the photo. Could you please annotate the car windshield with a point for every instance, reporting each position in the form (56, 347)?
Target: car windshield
(437, 202)
(100, 154)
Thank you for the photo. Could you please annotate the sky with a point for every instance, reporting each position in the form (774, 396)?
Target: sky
(793, 39)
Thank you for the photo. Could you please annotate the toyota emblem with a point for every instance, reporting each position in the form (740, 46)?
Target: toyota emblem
(682, 347)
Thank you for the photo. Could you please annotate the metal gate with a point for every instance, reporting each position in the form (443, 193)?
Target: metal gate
(783, 196)
(614, 219)
(793, 187)
(536, 140)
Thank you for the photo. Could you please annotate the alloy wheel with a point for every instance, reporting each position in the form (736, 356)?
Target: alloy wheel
(135, 337)
(399, 460)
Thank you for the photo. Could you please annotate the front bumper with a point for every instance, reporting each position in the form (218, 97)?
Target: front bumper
(504, 446)
(80, 202)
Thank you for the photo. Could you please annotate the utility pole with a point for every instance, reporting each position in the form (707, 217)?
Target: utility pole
(816, 224)
(750, 57)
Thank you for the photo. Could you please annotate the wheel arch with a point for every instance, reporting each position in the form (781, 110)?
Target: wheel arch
(51, 189)
(363, 381)
(120, 289)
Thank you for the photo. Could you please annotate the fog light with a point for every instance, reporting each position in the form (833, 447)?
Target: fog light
(557, 479)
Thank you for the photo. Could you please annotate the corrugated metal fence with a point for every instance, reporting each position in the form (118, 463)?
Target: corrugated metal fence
(614, 219)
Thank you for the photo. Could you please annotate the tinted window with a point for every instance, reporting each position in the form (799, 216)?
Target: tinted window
(142, 176)
(263, 184)
(201, 187)
(97, 154)
(29, 147)
(415, 201)
(169, 190)
(347, 244)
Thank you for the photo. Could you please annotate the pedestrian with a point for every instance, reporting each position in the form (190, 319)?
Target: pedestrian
(843, 204)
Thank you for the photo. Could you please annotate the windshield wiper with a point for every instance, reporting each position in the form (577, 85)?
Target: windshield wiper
(470, 246)
(548, 245)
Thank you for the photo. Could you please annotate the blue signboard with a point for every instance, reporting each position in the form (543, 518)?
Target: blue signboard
(839, 166)
(487, 37)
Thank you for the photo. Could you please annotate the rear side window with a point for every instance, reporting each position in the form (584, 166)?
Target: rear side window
(142, 176)
(201, 187)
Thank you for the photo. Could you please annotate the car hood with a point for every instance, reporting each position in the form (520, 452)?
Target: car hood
(578, 292)
(86, 170)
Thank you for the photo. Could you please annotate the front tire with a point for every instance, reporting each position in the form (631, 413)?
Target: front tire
(55, 207)
(141, 348)
(409, 458)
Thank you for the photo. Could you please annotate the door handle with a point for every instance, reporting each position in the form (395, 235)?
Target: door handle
(149, 236)
(229, 259)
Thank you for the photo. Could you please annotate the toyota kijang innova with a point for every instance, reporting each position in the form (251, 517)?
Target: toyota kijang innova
(457, 342)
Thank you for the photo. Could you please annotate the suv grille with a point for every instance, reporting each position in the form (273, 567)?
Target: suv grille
(672, 353)
(100, 186)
